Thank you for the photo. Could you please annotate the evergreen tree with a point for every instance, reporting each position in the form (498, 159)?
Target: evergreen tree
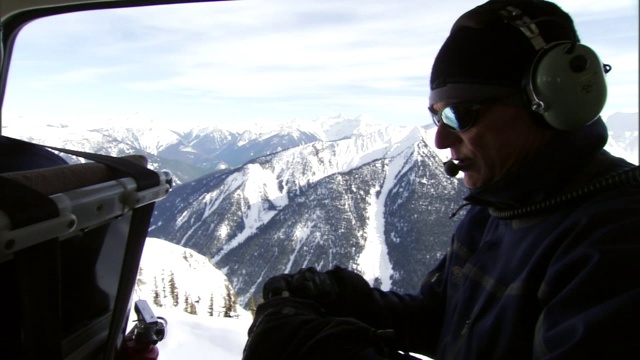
(234, 304)
(173, 289)
(210, 309)
(157, 300)
(228, 301)
(252, 306)
(230, 307)
(187, 307)
(139, 281)
(164, 285)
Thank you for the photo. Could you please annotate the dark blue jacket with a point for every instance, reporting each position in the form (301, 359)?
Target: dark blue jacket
(545, 264)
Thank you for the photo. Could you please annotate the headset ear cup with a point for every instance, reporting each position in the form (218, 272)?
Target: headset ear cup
(567, 85)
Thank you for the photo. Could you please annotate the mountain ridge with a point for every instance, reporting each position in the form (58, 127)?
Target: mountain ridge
(356, 202)
(278, 197)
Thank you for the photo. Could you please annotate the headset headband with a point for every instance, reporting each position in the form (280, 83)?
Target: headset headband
(515, 17)
(565, 82)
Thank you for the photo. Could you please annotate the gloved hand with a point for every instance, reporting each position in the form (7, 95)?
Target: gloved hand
(309, 284)
(338, 291)
(288, 328)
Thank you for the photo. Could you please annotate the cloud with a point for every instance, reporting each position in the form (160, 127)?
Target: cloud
(283, 52)
(307, 56)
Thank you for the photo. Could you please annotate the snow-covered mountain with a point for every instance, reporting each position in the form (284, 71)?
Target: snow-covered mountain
(303, 193)
(192, 151)
(623, 136)
(324, 192)
(197, 328)
(189, 152)
(174, 277)
(189, 335)
(377, 202)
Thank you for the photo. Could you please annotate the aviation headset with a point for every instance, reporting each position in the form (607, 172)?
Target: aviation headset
(566, 80)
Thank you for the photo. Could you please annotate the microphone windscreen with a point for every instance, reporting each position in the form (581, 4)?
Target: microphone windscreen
(451, 168)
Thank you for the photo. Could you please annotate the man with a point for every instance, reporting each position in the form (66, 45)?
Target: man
(545, 263)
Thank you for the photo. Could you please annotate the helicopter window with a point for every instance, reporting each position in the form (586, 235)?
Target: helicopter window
(237, 63)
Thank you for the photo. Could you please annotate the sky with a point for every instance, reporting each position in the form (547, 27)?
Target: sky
(278, 60)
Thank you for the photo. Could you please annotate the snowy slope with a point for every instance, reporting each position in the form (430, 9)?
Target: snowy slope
(197, 282)
(190, 336)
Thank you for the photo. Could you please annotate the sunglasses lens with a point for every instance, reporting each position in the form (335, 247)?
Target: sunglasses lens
(449, 118)
(459, 117)
(462, 116)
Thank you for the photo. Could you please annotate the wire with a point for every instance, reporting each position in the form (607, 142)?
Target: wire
(616, 180)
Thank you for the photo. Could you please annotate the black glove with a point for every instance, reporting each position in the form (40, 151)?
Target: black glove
(288, 328)
(338, 291)
(308, 284)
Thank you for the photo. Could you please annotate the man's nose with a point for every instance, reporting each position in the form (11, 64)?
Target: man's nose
(445, 137)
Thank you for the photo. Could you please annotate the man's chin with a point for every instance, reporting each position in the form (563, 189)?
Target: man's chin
(471, 180)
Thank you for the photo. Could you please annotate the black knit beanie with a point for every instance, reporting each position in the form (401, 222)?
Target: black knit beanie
(485, 54)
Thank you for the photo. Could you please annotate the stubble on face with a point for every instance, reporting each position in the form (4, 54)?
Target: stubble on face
(503, 137)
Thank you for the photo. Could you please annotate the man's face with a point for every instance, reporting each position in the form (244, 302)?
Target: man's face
(501, 137)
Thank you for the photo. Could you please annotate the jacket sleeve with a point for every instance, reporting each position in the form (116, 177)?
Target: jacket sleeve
(591, 292)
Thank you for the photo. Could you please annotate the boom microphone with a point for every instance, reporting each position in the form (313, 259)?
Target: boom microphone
(451, 168)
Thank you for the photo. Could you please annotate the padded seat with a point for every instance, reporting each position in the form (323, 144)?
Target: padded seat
(58, 179)
(71, 237)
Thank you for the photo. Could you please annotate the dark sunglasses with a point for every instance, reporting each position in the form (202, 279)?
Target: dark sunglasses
(463, 115)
